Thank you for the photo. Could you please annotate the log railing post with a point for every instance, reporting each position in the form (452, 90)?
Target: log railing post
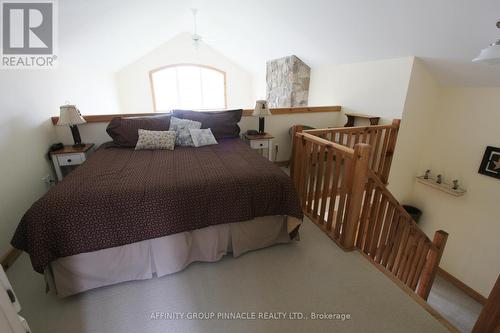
(358, 176)
(432, 264)
(296, 163)
(387, 159)
(295, 129)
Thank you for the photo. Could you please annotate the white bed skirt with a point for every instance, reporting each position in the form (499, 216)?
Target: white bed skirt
(165, 255)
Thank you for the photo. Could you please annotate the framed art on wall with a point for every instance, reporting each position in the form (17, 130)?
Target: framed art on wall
(490, 166)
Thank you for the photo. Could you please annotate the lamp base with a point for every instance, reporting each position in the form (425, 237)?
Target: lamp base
(261, 125)
(76, 137)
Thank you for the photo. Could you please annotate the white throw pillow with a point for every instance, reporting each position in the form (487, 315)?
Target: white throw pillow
(202, 137)
(155, 140)
(182, 127)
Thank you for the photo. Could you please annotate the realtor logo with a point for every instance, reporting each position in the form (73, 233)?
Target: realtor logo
(28, 34)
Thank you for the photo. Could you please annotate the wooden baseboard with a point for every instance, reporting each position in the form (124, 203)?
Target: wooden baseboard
(462, 286)
(282, 163)
(9, 257)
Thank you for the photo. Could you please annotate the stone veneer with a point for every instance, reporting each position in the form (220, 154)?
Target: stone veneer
(287, 82)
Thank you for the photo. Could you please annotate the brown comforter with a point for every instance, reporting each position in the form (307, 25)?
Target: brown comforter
(121, 196)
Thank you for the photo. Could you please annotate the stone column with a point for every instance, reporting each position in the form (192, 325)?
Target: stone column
(287, 82)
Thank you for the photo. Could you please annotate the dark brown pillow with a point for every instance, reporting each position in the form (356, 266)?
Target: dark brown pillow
(125, 131)
(223, 124)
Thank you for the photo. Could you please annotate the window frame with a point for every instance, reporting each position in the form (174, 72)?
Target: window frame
(153, 71)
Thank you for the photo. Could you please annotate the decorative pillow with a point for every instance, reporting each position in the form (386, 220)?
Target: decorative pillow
(124, 131)
(155, 140)
(182, 127)
(224, 124)
(202, 137)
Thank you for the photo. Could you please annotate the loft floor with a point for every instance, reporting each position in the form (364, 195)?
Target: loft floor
(312, 275)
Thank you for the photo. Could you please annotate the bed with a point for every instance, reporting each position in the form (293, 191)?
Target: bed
(128, 215)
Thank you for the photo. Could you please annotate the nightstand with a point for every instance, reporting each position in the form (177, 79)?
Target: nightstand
(261, 141)
(68, 158)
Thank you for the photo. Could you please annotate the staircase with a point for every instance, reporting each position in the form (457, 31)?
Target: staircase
(341, 177)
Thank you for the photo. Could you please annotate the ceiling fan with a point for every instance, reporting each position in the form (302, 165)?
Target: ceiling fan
(195, 36)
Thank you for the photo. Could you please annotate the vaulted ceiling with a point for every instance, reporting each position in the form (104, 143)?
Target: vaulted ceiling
(446, 33)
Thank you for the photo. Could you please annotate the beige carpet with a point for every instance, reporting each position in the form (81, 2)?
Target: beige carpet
(454, 305)
(312, 275)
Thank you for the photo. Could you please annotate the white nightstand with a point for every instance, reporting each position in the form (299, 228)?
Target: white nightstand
(68, 158)
(261, 141)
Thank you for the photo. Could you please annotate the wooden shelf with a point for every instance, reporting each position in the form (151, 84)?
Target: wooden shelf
(447, 188)
(246, 113)
(351, 119)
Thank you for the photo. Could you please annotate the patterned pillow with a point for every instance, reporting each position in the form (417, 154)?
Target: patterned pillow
(182, 127)
(202, 137)
(155, 140)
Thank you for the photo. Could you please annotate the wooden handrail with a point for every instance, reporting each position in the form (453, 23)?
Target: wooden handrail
(382, 138)
(421, 265)
(340, 175)
(351, 129)
(325, 143)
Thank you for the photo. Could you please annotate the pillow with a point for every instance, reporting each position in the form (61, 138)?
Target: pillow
(202, 137)
(124, 131)
(224, 124)
(182, 127)
(155, 140)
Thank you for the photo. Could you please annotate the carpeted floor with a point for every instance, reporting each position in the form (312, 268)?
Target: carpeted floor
(453, 304)
(312, 275)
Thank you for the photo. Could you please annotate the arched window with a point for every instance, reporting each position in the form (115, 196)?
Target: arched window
(186, 86)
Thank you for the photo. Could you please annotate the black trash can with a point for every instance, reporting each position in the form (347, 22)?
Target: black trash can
(413, 211)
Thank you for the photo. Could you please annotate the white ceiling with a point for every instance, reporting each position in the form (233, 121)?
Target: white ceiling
(446, 33)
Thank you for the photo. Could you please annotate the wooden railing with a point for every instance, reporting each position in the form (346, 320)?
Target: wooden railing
(389, 237)
(321, 174)
(381, 138)
(341, 176)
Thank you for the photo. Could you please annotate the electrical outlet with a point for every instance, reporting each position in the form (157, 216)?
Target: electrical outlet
(48, 180)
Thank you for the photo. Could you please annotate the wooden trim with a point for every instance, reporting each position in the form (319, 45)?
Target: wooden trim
(151, 72)
(8, 258)
(301, 109)
(462, 286)
(104, 118)
(413, 296)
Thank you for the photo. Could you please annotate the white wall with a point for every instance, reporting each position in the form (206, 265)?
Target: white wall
(374, 88)
(27, 101)
(133, 80)
(379, 88)
(466, 122)
(417, 119)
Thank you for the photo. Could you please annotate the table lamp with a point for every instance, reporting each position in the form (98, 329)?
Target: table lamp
(261, 110)
(70, 116)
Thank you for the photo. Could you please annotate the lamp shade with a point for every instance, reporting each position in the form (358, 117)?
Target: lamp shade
(69, 116)
(489, 55)
(261, 109)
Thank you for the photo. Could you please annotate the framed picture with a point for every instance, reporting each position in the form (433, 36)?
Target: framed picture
(490, 166)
